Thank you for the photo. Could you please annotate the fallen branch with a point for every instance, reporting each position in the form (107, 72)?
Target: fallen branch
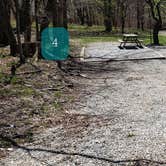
(53, 89)
(29, 72)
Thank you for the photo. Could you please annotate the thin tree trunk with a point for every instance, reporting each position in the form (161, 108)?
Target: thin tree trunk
(156, 15)
(138, 15)
(22, 58)
(6, 29)
(155, 33)
(65, 21)
(108, 15)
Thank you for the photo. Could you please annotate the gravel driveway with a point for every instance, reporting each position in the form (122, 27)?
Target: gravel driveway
(119, 119)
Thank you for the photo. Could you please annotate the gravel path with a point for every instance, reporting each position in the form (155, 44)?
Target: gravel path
(119, 120)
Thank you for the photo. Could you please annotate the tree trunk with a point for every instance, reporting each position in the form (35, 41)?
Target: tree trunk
(156, 30)
(108, 15)
(25, 19)
(81, 15)
(58, 11)
(65, 20)
(22, 58)
(89, 16)
(5, 26)
(142, 24)
(123, 25)
(138, 15)
(123, 16)
(156, 15)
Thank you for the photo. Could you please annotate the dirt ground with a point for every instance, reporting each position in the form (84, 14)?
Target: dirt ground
(117, 119)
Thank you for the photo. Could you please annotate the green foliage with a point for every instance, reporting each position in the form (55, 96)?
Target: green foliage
(4, 78)
(58, 94)
(13, 63)
(27, 92)
(16, 80)
(3, 55)
(17, 91)
(57, 105)
(130, 135)
(161, 38)
(5, 144)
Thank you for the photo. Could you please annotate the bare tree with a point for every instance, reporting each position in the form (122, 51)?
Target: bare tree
(6, 34)
(58, 11)
(108, 15)
(123, 13)
(156, 15)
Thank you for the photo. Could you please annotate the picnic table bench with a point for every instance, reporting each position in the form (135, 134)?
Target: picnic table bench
(130, 38)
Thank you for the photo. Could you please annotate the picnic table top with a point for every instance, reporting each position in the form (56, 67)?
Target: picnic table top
(130, 35)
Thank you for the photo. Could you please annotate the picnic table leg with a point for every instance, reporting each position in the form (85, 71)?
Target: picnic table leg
(139, 44)
(124, 45)
(125, 40)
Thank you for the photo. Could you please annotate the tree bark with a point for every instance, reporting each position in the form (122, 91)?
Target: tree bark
(58, 11)
(156, 15)
(22, 58)
(108, 15)
(6, 29)
(156, 30)
(138, 15)
(123, 8)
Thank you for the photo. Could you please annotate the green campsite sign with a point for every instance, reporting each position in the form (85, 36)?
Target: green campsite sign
(55, 44)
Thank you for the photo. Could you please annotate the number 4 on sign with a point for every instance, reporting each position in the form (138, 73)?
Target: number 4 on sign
(55, 42)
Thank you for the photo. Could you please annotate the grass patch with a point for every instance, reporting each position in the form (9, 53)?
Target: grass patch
(6, 93)
(27, 92)
(20, 91)
(147, 40)
(5, 144)
(57, 105)
(86, 39)
(3, 55)
(58, 94)
(114, 38)
(92, 34)
(130, 135)
(162, 40)
(81, 28)
(25, 137)
(4, 78)
(16, 80)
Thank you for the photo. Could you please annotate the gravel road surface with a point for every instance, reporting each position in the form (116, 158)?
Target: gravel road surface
(119, 120)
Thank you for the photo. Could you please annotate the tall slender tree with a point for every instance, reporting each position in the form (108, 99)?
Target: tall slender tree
(58, 11)
(108, 15)
(123, 13)
(156, 15)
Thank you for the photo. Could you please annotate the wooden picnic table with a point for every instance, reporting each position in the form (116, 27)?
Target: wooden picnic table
(130, 38)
